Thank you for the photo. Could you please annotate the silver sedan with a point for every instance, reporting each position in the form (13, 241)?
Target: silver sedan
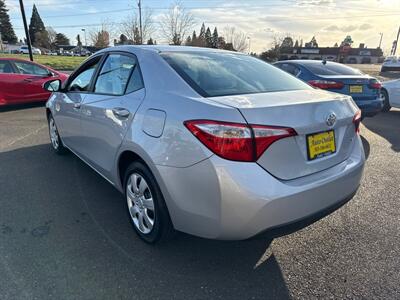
(213, 143)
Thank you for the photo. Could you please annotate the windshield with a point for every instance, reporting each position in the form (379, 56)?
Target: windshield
(220, 74)
(330, 68)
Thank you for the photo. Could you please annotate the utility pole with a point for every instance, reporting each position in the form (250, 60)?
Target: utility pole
(28, 38)
(380, 41)
(84, 31)
(140, 21)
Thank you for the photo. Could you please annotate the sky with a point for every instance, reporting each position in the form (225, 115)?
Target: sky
(261, 20)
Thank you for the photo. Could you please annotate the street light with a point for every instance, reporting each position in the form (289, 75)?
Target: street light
(380, 41)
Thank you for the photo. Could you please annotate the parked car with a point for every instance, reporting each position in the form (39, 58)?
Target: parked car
(391, 63)
(391, 94)
(25, 50)
(21, 81)
(212, 143)
(339, 78)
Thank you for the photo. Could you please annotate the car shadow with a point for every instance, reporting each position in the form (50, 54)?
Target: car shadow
(387, 126)
(21, 106)
(72, 196)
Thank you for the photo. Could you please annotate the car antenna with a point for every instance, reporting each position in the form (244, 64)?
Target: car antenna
(324, 61)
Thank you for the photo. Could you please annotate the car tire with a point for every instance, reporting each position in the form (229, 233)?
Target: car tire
(386, 103)
(146, 206)
(55, 140)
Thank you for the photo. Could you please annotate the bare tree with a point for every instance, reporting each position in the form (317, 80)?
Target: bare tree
(52, 36)
(176, 23)
(237, 38)
(102, 36)
(130, 27)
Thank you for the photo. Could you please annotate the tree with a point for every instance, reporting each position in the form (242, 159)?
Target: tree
(123, 40)
(348, 41)
(201, 39)
(100, 39)
(287, 43)
(78, 41)
(61, 40)
(235, 37)
(176, 23)
(221, 42)
(36, 26)
(312, 44)
(208, 38)
(336, 45)
(51, 33)
(188, 41)
(42, 39)
(6, 30)
(150, 42)
(130, 27)
(296, 44)
(214, 39)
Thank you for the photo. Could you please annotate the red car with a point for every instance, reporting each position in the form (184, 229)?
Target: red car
(21, 81)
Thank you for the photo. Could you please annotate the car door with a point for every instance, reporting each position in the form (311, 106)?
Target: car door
(108, 111)
(31, 78)
(9, 91)
(68, 104)
(394, 96)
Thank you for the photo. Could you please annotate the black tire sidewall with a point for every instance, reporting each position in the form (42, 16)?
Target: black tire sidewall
(162, 222)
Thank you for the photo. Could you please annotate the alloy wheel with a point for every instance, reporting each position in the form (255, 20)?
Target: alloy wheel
(54, 137)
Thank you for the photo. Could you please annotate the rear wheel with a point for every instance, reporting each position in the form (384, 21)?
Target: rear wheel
(146, 206)
(55, 139)
(386, 103)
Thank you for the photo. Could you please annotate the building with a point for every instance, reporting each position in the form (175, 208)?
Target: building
(344, 54)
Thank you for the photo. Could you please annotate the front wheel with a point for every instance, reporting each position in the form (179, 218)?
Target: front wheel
(386, 103)
(146, 206)
(55, 139)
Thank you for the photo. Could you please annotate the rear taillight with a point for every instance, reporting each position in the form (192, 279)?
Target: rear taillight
(236, 141)
(357, 121)
(375, 84)
(326, 84)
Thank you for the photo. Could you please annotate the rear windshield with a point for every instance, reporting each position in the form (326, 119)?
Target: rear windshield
(214, 74)
(330, 68)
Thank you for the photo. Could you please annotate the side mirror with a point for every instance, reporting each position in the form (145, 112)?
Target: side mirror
(52, 85)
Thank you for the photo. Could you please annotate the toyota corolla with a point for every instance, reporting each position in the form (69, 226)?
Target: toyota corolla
(213, 143)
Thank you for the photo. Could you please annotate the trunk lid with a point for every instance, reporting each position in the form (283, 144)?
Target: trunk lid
(306, 111)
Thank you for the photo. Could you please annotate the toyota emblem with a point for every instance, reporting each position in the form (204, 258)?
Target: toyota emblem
(331, 119)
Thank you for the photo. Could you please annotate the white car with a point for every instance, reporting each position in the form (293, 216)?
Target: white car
(391, 63)
(25, 50)
(391, 94)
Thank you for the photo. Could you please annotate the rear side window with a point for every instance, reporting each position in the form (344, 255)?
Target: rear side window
(114, 75)
(222, 73)
(291, 69)
(5, 67)
(28, 68)
(331, 68)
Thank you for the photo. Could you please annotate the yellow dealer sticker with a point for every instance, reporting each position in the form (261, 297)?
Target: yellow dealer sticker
(321, 144)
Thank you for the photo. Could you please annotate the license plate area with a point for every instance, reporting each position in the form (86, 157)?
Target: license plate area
(356, 89)
(320, 144)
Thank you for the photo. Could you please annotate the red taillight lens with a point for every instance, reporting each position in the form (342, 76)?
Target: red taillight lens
(236, 141)
(326, 84)
(375, 84)
(357, 121)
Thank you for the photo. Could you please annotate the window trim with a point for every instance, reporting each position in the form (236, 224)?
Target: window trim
(80, 69)
(137, 65)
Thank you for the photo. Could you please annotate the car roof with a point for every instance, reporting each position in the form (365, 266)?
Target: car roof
(164, 48)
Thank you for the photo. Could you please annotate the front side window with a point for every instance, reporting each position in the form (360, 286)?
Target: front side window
(114, 75)
(5, 67)
(220, 73)
(31, 69)
(81, 82)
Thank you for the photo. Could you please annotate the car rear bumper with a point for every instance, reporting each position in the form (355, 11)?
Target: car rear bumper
(229, 200)
(370, 108)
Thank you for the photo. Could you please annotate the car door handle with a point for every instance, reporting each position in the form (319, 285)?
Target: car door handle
(121, 112)
(77, 105)
(28, 80)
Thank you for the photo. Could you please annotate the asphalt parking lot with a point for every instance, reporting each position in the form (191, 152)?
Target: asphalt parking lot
(65, 234)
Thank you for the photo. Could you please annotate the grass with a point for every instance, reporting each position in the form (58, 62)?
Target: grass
(55, 62)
